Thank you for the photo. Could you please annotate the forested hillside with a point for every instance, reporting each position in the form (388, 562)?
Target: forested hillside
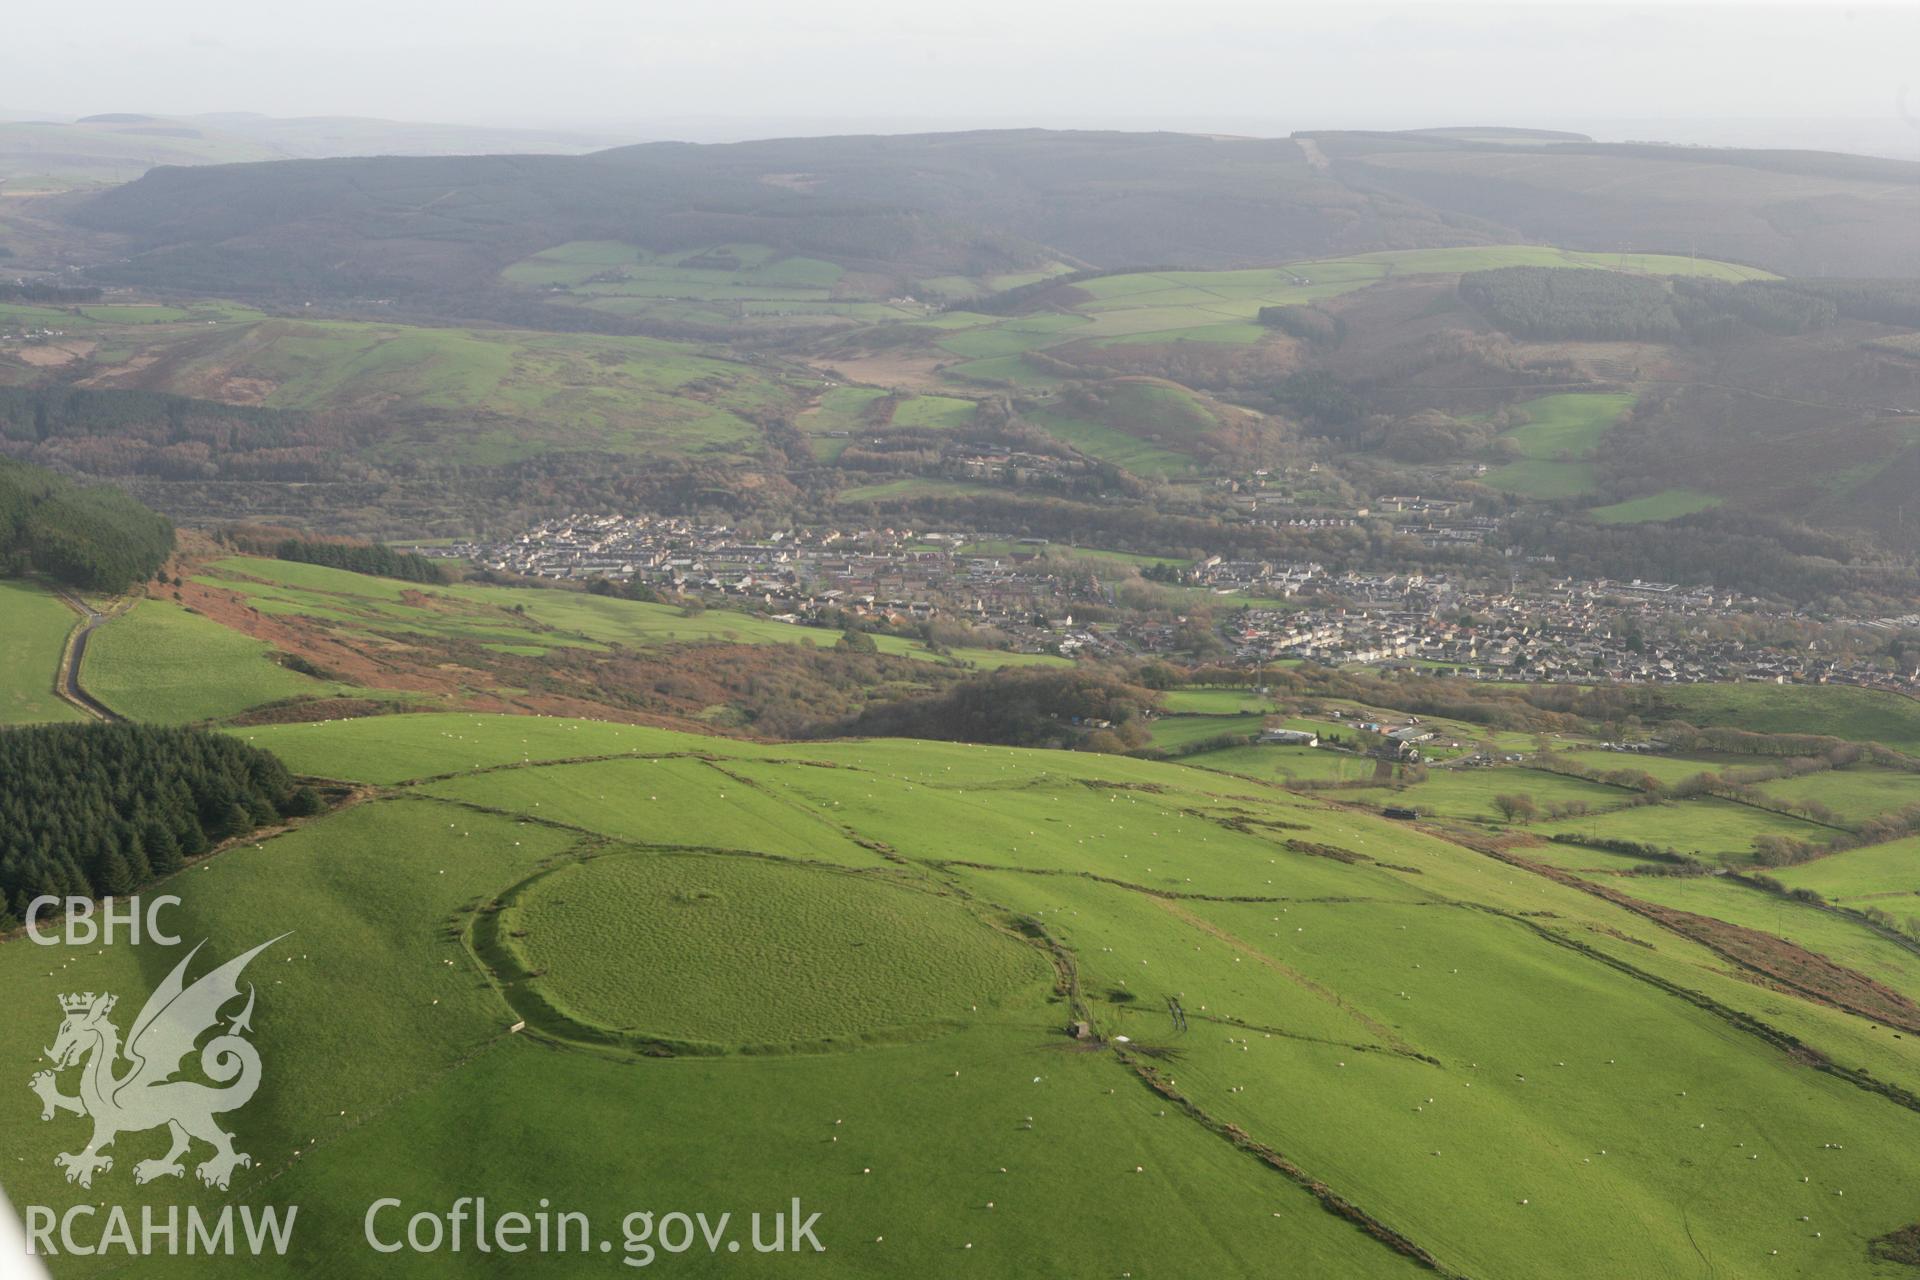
(1794, 212)
(968, 203)
(977, 204)
(93, 537)
(102, 809)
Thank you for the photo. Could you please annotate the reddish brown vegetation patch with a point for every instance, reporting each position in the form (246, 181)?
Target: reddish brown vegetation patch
(1902, 1246)
(1762, 956)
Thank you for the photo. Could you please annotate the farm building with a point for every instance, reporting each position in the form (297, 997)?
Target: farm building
(1289, 738)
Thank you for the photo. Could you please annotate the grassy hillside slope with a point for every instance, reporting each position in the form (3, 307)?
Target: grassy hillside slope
(1498, 1070)
(34, 626)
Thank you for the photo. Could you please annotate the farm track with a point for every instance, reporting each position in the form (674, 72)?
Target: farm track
(67, 679)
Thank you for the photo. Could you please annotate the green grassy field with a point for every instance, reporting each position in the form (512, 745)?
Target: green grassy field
(698, 950)
(1221, 307)
(1288, 765)
(1567, 426)
(1215, 702)
(485, 397)
(1181, 729)
(34, 626)
(1516, 1076)
(1859, 715)
(1854, 794)
(1668, 769)
(745, 286)
(1873, 875)
(934, 413)
(528, 622)
(1839, 939)
(1149, 428)
(1469, 793)
(161, 663)
(1707, 828)
(839, 410)
(1562, 431)
(1544, 480)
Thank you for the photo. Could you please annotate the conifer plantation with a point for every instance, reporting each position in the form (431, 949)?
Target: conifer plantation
(95, 537)
(93, 810)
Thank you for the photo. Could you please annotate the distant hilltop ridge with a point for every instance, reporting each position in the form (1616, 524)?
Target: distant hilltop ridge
(989, 201)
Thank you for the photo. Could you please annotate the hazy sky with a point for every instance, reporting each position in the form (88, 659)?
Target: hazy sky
(671, 67)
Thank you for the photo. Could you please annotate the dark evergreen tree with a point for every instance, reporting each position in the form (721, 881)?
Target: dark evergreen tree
(97, 809)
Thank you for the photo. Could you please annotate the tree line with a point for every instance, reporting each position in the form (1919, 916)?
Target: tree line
(34, 291)
(374, 558)
(94, 537)
(1559, 303)
(93, 810)
(1082, 708)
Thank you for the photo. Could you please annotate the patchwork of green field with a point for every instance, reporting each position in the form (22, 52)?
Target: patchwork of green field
(1110, 445)
(34, 626)
(1544, 480)
(394, 749)
(486, 397)
(1013, 371)
(1876, 875)
(529, 622)
(1561, 432)
(1181, 729)
(1449, 735)
(20, 315)
(651, 799)
(1668, 504)
(619, 394)
(1147, 427)
(1705, 827)
(1841, 940)
(723, 285)
(133, 313)
(963, 287)
(1288, 765)
(1569, 425)
(700, 950)
(1309, 1036)
(1839, 711)
(1223, 306)
(1853, 794)
(987, 338)
(1214, 702)
(1471, 793)
(840, 410)
(165, 664)
(1513, 1075)
(934, 413)
(1666, 769)
(730, 284)
(606, 268)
